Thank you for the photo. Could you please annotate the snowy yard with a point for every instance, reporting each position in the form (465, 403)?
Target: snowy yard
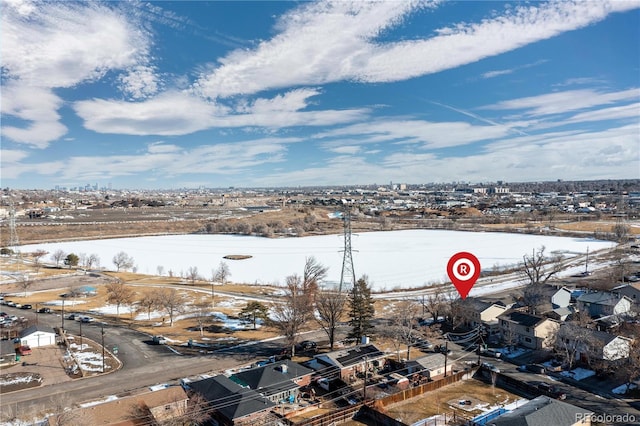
(578, 374)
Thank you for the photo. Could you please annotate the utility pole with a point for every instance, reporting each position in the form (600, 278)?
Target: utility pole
(62, 315)
(364, 387)
(81, 334)
(446, 355)
(102, 333)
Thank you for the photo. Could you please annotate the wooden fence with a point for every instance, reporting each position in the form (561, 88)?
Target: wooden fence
(344, 414)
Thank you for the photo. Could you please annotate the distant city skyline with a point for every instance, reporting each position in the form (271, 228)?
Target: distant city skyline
(169, 95)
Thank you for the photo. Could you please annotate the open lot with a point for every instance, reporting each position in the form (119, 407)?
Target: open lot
(483, 397)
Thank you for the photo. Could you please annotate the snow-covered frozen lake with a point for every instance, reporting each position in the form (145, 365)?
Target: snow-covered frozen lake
(391, 260)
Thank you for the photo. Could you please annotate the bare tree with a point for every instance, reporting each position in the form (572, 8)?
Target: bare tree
(92, 260)
(58, 256)
(65, 415)
(119, 294)
(569, 340)
(122, 261)
(172, 302)
(404, 325)
(192, 274)
(160, 270)
(509, 335)
(621, 231)
(631, 368)
(330, 307)
(202, 315)
(24, 282)
(37, 259)
(537, 268)
(434, 303)
(223, 273)
(149, 301)
(289, 315)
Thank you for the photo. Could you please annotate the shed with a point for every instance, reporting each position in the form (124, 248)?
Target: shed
(37, 336)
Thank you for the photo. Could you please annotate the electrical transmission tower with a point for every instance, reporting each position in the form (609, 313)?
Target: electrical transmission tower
(348, 275)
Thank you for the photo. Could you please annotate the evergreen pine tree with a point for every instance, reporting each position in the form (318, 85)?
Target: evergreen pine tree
(361, 310)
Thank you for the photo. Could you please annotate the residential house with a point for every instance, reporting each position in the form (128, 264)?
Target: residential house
(484, 314)
(277, 382)
(231, 403)
(147, 408)
(606, 346)
(561, 298)
(602, 303)
(544, 411)
(530, 331)
(346, 363)
(37, 335)
(561, 313)
(632, 291)
(431, 366)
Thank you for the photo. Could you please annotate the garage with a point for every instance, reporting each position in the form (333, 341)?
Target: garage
(37, 336)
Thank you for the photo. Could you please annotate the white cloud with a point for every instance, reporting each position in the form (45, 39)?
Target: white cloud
(13, 155)
(48, 45)
(139, 82)
(36, 105)
(167, 160)
(180, 113)
(347, 149)
(560, 102)
(429, 134)
(497, 73)
(335, 41)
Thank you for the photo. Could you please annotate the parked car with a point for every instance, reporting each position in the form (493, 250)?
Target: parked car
(87, 319)
(24, 350)
(533, 368)
(73, 316)
(17, 305)
(26, 306)
(494, 353)
(551, 391)
(306, 345)
(11, 304)
(45, 311)
(490, 367)
(159, 340)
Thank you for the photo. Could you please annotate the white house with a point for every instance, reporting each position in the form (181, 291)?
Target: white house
(37, 336)
(561, 298)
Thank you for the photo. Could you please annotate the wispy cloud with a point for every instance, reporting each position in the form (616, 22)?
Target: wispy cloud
(312, 46)
(567, 101)
(497, 73)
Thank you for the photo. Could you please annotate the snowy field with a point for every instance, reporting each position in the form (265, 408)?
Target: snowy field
(392, 260)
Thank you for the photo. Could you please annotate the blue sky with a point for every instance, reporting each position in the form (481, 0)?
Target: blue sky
(262, 94)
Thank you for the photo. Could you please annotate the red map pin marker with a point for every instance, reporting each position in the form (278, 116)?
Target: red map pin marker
(463, 269)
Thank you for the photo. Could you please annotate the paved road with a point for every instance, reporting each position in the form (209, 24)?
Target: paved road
(143, 365)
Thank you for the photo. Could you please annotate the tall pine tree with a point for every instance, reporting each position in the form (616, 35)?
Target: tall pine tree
(361, 310)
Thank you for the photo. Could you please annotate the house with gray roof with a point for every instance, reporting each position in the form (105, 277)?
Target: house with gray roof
(431, 366)
(345, 363)
(544, 411)
(232, 404)
(277, 382)
(603, 303)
